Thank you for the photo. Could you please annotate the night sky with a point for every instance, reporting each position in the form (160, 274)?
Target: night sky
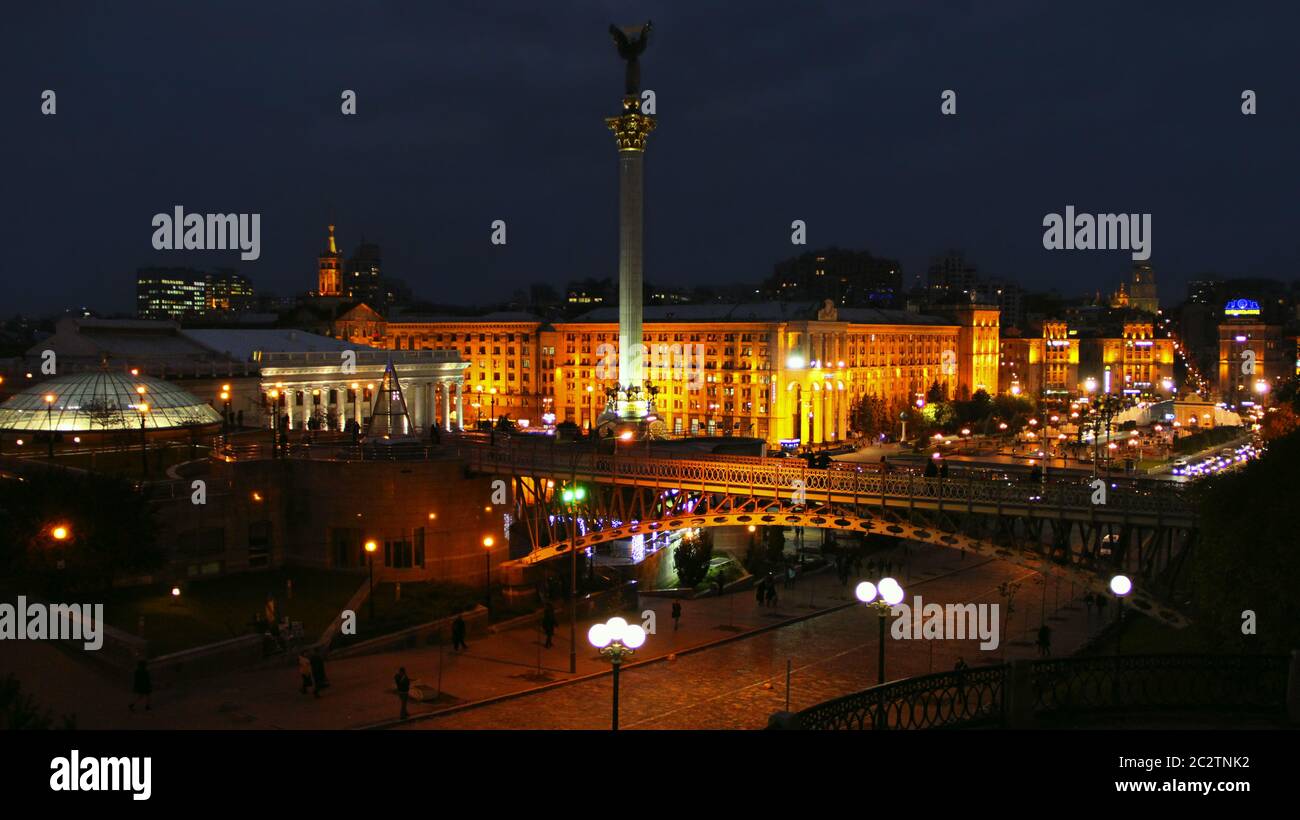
(768, 112)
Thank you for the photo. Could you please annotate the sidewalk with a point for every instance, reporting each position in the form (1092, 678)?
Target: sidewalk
(361, 691)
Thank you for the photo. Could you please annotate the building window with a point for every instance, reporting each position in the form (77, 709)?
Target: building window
(259, 544)
(399, 554)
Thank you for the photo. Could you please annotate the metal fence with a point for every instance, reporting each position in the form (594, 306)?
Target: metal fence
(1063, 690)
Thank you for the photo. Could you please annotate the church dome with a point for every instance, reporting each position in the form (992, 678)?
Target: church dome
(100, 401)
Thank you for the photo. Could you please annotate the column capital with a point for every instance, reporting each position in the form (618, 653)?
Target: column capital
(631, 127)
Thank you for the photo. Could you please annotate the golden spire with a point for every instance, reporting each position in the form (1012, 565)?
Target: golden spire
(333, 248)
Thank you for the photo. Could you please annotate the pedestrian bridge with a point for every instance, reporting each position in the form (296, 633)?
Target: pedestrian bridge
(1144, 529)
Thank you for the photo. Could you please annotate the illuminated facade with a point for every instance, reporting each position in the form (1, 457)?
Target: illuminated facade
(176, 293)
(1062, 362)
(1047, 365)
(768, 370)
(1253, 356)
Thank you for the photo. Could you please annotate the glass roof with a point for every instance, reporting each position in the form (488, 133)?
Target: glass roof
(98, 401)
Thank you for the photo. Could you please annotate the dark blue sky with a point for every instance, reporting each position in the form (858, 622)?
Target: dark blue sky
(769, 112)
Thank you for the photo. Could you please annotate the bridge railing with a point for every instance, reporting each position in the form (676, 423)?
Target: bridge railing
(971, 697)
(784, 477)
(1064, 689)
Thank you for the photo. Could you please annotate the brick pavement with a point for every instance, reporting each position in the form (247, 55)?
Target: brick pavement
(720, 686)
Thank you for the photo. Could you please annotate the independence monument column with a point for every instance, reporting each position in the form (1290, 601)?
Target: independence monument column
(630, 404)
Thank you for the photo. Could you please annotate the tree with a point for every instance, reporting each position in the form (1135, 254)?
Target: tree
(692, 556)
(110, 521)
(107, 415)
(870, 416)
(1246, 557)
(19, 710)
(937, 393)
(1280, 421)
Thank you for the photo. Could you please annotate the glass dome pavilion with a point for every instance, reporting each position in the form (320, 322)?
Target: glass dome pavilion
(100, 401)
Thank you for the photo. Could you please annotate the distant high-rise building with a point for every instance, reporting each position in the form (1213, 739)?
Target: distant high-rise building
(1142, 293)
(1139, 293)
(176, 293)
(847, 278)
(950, 275)
(365, 277)
(330, 271)
(1205, 291)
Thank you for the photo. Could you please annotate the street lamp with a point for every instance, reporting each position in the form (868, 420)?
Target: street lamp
(60, 533)
(49, 417)
(143, 407)
(616, 639)
(488, 541)
(883, 597)
(571, 496)
(225, 414)
(1121, 586)
(371, 546)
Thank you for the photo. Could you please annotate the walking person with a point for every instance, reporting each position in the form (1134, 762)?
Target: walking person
(318, 672)
(304, 671)
(760, 592)
(549, 622)
(960, 668)
(1088, 601)
(770, 595)
(458, 634)
(1044, 640)
(677, 614)
(141, 686)
(403, 688)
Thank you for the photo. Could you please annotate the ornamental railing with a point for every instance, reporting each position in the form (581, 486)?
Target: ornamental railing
(972, 697)
(779, 477)
(1063, 690)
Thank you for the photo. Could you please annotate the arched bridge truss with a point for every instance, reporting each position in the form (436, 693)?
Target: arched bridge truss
(1146, 531)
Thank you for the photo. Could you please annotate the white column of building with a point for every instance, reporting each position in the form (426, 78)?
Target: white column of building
(460, 406)
(435, 395)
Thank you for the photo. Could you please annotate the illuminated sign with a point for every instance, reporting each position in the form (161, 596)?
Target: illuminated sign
(1241, 307)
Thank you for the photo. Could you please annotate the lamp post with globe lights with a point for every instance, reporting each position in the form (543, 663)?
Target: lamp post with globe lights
(882, 597)
(571, 496)
(49, 417)
(488, 541)
(616, 639)
(371, 546)
(1120, 586)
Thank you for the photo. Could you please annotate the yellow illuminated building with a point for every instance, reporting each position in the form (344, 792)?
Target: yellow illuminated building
(1062, 362)
(766, 370)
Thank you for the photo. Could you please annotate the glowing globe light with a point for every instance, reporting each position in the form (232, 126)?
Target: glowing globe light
(1121, 585)
(866, 592)
(598, 636)
(891, 591)
(633, 637)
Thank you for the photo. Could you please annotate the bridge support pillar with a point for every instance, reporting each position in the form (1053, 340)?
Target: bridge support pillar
(1019, 695)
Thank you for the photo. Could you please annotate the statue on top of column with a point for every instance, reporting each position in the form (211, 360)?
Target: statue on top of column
(629, 49)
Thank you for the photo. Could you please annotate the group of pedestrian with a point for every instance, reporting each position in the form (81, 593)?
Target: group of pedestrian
(1092, 599)
(765, 591)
